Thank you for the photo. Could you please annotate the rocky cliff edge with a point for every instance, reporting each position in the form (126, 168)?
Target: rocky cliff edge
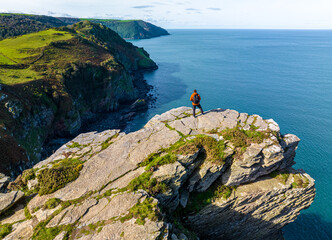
(222, 175)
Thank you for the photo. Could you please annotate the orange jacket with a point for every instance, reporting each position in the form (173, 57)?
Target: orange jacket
(192, 98)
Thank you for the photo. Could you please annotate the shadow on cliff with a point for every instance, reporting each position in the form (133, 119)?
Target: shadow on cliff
(227, 224)
(308, 226)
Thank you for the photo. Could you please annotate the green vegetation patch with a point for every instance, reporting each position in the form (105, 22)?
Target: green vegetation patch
(27, 213)
(141, 211)
(92, 228)
(52, 203)
(157, 160)
(74, 145)
(145, 182)
(199, 200)
(241, 139)
(5, 229)
(214, 149)
(300, 181)
(61, 173)
(28, 174)
(281, 177)
(108, 142)
(24, 49)
(40, 232)
(43, 233)
(16, 76)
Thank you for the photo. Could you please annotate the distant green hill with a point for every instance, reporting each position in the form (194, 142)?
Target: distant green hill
(132, 29)
(52, 79)
(18, 24)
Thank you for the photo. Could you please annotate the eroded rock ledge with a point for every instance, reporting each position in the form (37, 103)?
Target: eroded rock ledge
(222, 175)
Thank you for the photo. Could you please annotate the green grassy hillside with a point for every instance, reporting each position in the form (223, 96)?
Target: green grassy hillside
(26, 48)
(50, 79)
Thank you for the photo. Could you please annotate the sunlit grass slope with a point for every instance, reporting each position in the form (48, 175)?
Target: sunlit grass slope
(48, 53)
(27, 48)
(15, 76)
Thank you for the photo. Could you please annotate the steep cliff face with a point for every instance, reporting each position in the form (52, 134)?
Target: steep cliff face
(222, 175)
(51, 81)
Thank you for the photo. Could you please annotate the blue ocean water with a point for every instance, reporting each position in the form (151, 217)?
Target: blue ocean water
(281, 74)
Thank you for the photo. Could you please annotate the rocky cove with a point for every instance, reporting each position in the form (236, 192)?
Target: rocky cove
(222, 175)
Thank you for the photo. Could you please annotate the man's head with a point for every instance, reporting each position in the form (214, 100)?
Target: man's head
(195, 91)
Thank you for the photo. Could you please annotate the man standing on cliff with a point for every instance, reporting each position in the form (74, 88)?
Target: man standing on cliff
(195, 98)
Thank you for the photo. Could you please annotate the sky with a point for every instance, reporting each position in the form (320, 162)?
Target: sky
(171, 14)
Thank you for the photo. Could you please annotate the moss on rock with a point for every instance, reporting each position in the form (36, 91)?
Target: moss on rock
(61, 173)
(52, 203)
(145, 182)
(300, 181)
(5, 229)
(199, 200)
(141, 211)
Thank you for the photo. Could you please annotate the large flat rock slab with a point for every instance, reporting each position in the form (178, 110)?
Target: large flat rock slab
(9, 199)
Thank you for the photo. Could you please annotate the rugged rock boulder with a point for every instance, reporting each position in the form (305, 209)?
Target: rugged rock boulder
(222, 175)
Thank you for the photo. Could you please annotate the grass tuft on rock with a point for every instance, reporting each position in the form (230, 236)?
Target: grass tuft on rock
(156, 160)
(61, 173)
(27, 175)
(199, 200)
(214, 149)
(241, 139)
(281, 177)
(145, 182)
(46, 233)
(300, 181)
(52, 203)
(27, 213)
(141, 211)
(5, 229)
(92, 228)
(108, 142)
(74, 145)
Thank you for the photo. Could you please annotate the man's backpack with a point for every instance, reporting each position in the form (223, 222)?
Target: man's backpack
(196, 99)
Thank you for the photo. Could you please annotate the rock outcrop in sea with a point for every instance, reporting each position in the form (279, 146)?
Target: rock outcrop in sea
(222, 175)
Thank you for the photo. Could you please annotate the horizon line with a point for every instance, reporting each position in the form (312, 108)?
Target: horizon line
(318, 29)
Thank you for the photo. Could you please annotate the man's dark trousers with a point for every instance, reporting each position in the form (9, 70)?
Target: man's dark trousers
(194, 109)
